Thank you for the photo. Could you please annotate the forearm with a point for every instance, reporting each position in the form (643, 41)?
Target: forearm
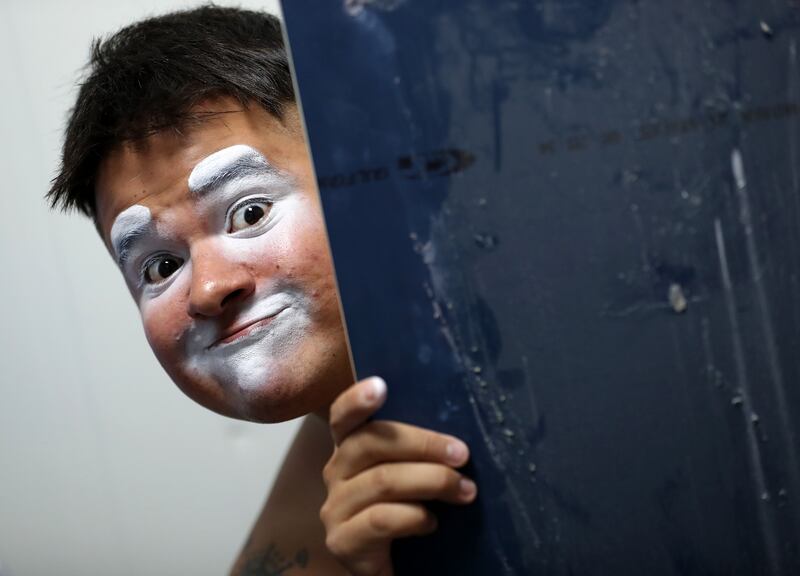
(271, 561)
(288, 537)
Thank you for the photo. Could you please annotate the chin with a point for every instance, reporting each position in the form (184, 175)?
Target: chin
(270, 401)
(268, 393)
(269, 405)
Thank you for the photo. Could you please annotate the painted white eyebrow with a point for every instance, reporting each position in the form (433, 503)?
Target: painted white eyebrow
(128, 228)
(232, 163)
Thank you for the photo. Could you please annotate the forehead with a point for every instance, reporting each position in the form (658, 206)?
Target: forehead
(155, 173)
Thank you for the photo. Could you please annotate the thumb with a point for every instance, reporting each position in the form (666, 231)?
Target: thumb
(354, 406)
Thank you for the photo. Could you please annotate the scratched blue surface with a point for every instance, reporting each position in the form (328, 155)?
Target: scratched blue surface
(569, 232)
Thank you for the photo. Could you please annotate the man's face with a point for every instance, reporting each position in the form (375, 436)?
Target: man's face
(219, 234)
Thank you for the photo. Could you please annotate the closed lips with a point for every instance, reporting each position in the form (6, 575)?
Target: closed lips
(244, 328)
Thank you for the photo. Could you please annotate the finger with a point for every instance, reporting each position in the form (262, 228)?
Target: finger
(396, 482)
(366, 537)
(355, 405)
(387, 441)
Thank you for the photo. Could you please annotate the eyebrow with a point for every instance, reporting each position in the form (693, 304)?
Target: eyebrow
(230, 164)
(128, 229)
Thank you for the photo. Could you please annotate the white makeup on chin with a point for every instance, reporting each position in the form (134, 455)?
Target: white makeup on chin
(245, 353)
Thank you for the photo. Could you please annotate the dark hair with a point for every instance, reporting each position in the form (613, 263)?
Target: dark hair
(149, 76)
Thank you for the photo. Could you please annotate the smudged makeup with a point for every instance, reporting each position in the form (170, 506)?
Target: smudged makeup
(240, 198)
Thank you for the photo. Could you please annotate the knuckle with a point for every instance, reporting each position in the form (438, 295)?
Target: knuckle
(335, 543)
(329, 471)
(336, 421)
(379, 521)
(381, 481)
(364, 448)
(325, 513)
(356, 440)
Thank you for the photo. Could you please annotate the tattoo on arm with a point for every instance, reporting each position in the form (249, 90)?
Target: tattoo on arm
(271, 562)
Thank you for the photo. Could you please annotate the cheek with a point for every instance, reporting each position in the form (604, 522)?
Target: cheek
(304, 246)
(310, 266)
(295, 251)
(165, 321)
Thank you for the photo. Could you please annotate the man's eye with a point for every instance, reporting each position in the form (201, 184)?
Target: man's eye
(249, 215)
(161, 268)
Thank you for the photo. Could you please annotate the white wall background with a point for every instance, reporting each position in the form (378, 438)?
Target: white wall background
(105, 468)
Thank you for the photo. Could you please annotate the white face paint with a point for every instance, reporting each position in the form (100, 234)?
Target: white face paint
(129, 225)
(233, 166)
(268, 329)
(239, 198)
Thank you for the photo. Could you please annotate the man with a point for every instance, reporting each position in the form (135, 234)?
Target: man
(186, 148)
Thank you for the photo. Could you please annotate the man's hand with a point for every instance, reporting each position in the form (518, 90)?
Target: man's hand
(378, 477)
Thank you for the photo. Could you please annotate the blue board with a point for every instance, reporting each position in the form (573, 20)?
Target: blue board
(569, 232)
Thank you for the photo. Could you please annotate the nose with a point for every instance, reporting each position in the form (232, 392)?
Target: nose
(217, 282)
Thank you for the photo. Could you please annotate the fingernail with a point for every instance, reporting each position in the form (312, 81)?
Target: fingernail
(375, 389)
(457, 452)
(467, 489)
